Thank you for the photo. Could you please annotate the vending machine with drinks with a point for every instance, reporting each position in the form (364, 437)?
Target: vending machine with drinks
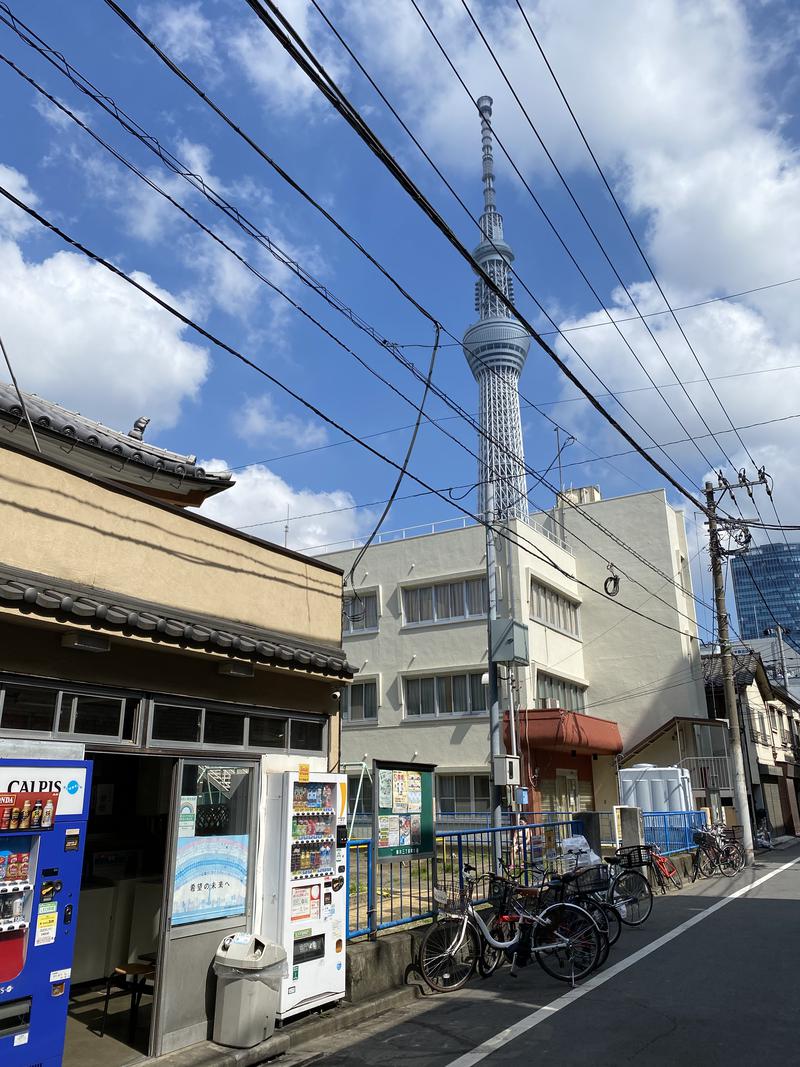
(305, 903)
(43, 813)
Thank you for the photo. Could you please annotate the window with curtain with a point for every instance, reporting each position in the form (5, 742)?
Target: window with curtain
(360, 701)
(444, 601)
(360, 613)
(446, 694)
(553, 609)
(566, 694)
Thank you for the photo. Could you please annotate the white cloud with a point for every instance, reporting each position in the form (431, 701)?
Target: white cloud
(261, 420)
(184, 32)
(259, 501)
(87, 340)
(13, 221)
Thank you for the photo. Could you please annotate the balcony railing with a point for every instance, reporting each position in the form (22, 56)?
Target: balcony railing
(709, 772)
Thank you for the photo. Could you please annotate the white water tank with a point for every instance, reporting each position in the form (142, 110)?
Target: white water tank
(652, 788)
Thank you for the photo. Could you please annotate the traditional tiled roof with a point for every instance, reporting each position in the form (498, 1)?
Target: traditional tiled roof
(745, 668)
(51, 420)
(38, 594)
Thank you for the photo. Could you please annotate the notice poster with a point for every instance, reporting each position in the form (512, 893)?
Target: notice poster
(403, 825)
(210, 878)
(187, 816)
(301, 902)
(414, 791)
(404, 830)
(388, 831)
(385, 795)
(399, 791)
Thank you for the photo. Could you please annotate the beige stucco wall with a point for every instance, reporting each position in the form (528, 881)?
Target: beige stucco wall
(61, 524)
(641, 673)
(457, 743)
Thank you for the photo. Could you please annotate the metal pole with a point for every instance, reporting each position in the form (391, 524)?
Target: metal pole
(495, 732)
(731, 710)
(779, 631)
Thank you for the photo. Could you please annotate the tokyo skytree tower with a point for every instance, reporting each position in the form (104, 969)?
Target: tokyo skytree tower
(496, 348)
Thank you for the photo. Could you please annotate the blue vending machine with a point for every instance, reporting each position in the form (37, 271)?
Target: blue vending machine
(44, 805)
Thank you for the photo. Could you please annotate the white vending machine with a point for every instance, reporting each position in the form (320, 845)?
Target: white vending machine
(305, 900)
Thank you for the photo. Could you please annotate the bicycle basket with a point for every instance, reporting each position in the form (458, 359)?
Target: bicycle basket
(703, 838)
(451, 896)
(634, 856)
(499, 892)
(592, 879)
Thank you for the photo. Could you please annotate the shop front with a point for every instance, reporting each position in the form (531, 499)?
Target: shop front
(193, 668)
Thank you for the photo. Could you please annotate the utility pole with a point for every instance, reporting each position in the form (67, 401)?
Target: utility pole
(495, 727)
(781, 654)
(729, 689)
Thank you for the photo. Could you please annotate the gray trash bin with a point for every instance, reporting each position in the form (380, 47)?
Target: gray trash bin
(249, 970)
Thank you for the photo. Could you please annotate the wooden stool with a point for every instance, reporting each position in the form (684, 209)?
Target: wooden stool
(139, 974)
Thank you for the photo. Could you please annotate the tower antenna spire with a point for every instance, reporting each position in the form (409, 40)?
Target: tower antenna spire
(496, 348)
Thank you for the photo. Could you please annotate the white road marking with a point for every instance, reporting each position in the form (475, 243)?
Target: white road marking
(511, 1033)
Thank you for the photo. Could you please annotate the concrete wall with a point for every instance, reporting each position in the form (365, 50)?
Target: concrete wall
(59, 523)
(458, 743)
(641, 673)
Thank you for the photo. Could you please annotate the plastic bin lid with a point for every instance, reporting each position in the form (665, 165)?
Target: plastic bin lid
(249, 952)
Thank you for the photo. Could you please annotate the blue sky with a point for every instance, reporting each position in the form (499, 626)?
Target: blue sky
(691, 109)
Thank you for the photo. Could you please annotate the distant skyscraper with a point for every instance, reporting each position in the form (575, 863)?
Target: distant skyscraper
(496, 348)
(776, 570)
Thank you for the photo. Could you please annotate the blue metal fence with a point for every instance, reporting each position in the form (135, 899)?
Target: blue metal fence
(400, 893)
(671, 831)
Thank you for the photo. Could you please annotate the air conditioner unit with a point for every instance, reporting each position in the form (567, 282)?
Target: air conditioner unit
(551, 702)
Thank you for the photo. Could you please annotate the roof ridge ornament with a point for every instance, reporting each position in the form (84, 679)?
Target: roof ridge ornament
(141, 424)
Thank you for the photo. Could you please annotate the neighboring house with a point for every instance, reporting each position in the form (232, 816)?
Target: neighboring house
(416, 632)
(770, 724)
(183, 658)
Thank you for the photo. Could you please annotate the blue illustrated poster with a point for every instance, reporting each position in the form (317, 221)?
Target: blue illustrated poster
(210, 878)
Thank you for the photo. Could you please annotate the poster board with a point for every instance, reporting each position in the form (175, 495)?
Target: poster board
(403, 825)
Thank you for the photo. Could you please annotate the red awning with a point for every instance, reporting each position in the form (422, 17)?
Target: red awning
(567, 731)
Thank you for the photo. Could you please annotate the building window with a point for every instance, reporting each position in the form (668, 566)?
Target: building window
(446, 694)
(28, 708)
(360, 701)
(556, 692)
(445, 601)
(363, 797)
(42, 710)
(462, 793)
(360, 613)
(232, 728)
(553, 609)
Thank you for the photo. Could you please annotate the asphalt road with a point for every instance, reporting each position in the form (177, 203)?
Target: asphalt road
(722, 991)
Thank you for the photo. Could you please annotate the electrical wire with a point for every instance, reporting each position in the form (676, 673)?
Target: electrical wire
(277, 289)
(519, 541)
(635, 240)
(356, 121)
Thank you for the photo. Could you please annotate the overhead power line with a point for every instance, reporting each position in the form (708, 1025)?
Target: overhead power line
(518, 541)
(405, 181)
(154, 186)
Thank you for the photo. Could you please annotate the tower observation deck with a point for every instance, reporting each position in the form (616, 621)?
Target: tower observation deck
(496, 348)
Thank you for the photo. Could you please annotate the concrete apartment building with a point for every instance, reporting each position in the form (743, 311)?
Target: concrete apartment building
(599, 679)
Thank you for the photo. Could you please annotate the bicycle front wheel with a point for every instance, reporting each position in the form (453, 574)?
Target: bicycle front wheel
(631, 895)
(566, 942)
(445, 963)
(728, 861)
(707, 863)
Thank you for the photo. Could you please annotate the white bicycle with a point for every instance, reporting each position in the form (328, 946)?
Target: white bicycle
(564, 938)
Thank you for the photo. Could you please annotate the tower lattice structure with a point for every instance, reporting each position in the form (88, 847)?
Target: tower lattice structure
(496, 348)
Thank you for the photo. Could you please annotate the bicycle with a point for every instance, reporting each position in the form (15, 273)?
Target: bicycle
(630, 892)
(584, 887)
(664, 869)
(563, 937)
(714, 854)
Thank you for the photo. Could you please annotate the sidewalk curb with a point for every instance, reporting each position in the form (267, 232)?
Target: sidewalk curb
(206, 1053)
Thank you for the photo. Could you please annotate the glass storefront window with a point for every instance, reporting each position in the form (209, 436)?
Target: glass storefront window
(28, 708)
(267, 733)
(174, 723)
(213, 847)
(306, 735)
